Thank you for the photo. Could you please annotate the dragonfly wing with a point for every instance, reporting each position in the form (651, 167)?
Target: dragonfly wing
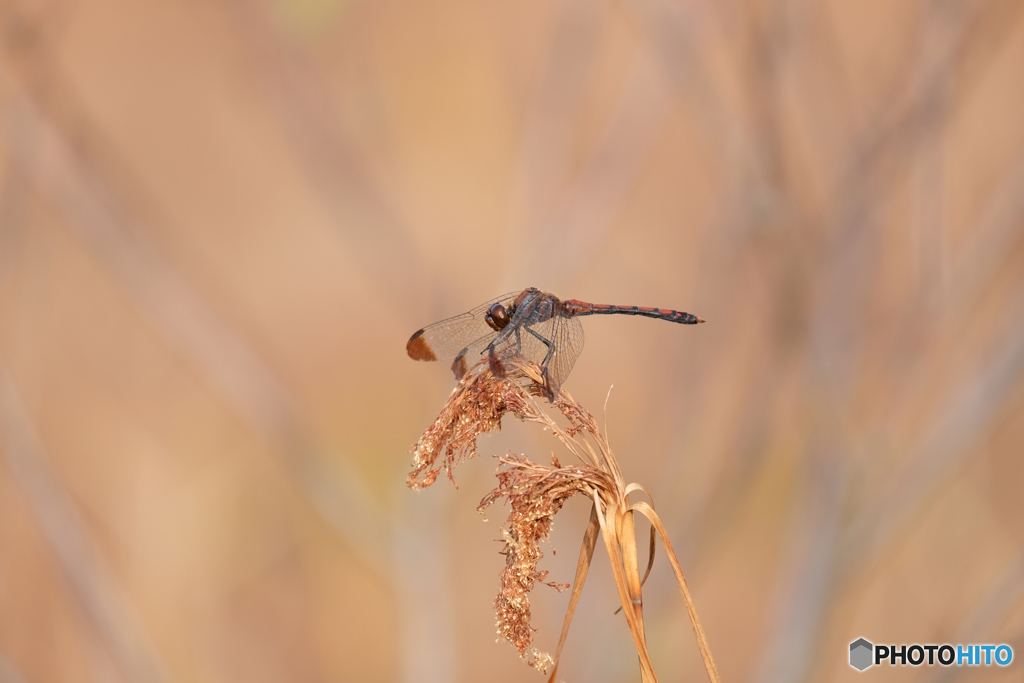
(568, 339)
(458, 336)
(469, 354)
(530, 341)
(554, 344)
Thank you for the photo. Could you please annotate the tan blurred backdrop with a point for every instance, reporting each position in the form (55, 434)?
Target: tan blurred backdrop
(220, 222)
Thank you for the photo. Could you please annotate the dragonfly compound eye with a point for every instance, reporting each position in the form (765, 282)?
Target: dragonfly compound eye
(497, 317)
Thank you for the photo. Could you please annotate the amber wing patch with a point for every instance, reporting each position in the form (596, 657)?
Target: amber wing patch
(418, 348)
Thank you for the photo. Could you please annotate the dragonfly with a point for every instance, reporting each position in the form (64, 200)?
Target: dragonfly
(530, 324)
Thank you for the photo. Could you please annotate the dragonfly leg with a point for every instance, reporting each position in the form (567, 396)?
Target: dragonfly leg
(546, 342)
(544, 364)
(493, 361)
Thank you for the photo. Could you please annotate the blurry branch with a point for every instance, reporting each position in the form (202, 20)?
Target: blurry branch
(989, 243)
(676, 32)
(161, 294)
(928, 170)
(880, 153)
(580, 219)
(368, 222)
(574, 222)
(943, 447)
(555, 108)
(60, 166)
(421, 575)
(814, 64)
(13, 195)
(752, 196)
(8, 672)
(972, 408)
(886, 146)
(53, 146)
(875, 156)
(1004, 595)
(92, 585)
(807, 579)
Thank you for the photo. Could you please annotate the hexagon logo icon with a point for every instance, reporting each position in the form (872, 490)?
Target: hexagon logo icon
(860, 654)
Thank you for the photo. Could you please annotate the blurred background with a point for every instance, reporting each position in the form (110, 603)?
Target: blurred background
(221, 221)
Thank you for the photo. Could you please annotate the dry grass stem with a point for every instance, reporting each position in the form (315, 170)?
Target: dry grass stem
(536, 492)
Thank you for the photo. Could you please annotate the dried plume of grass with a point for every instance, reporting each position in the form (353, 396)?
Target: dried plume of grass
(535, 494)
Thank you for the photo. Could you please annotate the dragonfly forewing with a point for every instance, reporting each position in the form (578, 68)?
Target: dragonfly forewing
(456, 337)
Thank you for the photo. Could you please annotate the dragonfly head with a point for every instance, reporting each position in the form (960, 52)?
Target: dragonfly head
(497, 317)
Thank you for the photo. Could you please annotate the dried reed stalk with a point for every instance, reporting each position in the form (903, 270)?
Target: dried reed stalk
(536, 492)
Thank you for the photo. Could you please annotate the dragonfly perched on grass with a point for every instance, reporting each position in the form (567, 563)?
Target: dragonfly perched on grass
(530, 323)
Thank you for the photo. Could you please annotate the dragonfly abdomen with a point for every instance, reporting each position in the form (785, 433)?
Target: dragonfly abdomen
(580, 308)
